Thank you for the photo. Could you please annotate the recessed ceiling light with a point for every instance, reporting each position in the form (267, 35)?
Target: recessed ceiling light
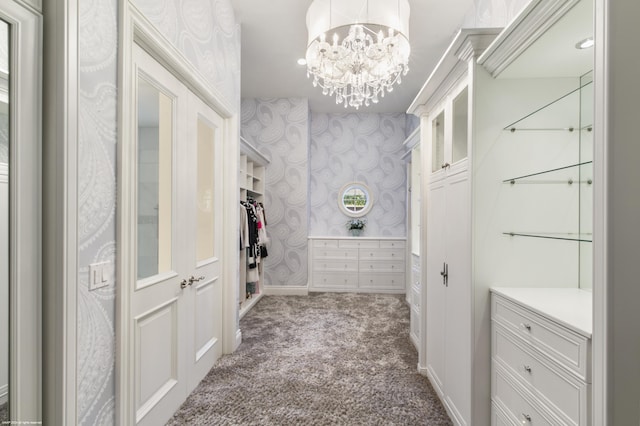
(585, 44)
(302, 61)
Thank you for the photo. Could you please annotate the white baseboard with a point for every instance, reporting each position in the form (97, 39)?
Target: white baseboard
(285, 291)
(422, 370)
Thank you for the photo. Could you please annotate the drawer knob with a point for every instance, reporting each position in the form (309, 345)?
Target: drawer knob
(526, 326)
(370, 266)
(527, 369)
(526, 417)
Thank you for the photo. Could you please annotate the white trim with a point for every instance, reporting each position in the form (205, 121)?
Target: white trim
(136, 29)
(451, 67)
(253, 152)
(531, 23)
(270, 290)
(316, 237)
(600, 341)
(60, 264)
(25, 192)
(248, 304)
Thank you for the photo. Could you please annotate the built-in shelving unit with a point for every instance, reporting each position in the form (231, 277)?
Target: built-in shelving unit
(253, 165)
(569, 165)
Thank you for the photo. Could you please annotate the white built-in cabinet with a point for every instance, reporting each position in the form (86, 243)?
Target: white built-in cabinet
(252, 170)
(541, 356)
(517, 161)
(446, 349)
(357, 264)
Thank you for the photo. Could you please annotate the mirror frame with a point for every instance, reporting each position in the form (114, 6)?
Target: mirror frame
(355, 185)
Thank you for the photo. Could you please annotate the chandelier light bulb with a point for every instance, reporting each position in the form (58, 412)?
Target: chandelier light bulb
(362, 63)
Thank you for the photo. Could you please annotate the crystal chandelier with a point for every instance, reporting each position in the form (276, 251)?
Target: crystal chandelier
(366, 52)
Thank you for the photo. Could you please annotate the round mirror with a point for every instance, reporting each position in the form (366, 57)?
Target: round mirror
(354, 199)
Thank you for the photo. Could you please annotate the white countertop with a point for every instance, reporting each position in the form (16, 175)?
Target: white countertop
(571, 307)
(313, 237)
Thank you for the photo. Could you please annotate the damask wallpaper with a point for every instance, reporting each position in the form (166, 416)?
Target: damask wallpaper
(280, 129)
(205, 31)
(361, 147)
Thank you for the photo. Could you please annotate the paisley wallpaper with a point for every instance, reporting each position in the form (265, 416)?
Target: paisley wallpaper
(361, 147)
(280, 129)
(207, 34)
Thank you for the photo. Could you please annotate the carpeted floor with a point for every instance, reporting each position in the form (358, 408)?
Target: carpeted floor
(325, 359)
(4, 413)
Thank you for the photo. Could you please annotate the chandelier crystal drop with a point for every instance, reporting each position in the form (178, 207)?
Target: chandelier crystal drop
(368, 51)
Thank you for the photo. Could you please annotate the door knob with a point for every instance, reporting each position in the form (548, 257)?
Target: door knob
(193, 279)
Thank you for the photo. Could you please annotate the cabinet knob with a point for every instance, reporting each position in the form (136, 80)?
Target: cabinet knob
(527, 369)
(526, 417)
(526, 326)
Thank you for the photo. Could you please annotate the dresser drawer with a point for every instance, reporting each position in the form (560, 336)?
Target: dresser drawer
(325, 243)
(335, 280)
(561, 345)
(392, 244)
(335, 266)
(335, 254)
(356, 243)
(518, 406)
(382, 254)
(498, 417)
(381, 281)
(381, 266)
(566, 395)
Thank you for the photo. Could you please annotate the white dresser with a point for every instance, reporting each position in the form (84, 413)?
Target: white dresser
(541, 356)
(358, 264)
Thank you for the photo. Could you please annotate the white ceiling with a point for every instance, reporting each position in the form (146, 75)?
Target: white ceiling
(274, 36)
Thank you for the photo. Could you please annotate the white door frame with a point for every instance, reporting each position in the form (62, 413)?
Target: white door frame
(25, 100)
(135, 28)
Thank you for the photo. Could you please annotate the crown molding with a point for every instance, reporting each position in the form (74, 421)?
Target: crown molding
(467, 43)
(522, 32)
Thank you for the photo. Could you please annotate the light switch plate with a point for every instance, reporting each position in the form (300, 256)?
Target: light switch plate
(99, 275)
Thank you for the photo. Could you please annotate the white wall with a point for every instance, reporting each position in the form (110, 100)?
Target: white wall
(4, 282)
(623, 188)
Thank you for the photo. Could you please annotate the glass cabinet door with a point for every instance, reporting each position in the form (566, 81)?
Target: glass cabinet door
(437, 135)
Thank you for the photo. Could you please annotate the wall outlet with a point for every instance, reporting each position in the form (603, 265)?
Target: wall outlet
(99, 275)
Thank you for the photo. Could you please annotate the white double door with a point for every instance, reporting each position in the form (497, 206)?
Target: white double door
(176, 302)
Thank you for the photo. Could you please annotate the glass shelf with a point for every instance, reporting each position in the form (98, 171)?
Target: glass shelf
(585, 238)
(522, 124)
(521, 179)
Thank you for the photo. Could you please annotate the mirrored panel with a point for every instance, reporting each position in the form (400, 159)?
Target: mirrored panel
(205, 191)
(4, 222)
(355, 199)
(155, 134)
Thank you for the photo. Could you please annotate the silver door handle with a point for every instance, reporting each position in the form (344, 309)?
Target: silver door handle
(183, 284)
(193, 279)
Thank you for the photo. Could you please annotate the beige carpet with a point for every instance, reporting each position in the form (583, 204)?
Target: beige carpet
(325, 359)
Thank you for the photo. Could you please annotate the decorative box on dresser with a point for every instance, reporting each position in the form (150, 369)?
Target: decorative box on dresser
(541, 356)
(357, 264)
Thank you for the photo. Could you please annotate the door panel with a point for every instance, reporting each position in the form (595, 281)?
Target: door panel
(436, 291)
(458, 300)
(177, 302)
(158, 303)
(157, 362)
(205, 321)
